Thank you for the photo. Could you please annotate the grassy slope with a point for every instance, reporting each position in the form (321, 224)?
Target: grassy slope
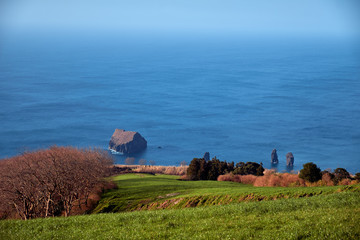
(138, 192)
(326, 216)
(334, 216)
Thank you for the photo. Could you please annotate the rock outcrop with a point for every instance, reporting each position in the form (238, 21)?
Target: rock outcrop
(289, 159)
(127, 141)
(207, 156)
(274, 157)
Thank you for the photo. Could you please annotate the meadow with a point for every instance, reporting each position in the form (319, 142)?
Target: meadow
(149, 192)
(204, 210)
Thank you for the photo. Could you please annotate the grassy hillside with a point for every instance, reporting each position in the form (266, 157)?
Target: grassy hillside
(334, 213)
(148, 192)
(334, 216)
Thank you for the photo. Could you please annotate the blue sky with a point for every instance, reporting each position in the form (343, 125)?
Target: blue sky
(276, 17)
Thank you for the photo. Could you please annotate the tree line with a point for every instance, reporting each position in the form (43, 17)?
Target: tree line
(201, 169)
(312, 173)
(50, 182)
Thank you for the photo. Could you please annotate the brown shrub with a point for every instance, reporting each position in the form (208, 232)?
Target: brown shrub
(247, 179)
(169, 170)
(149, 169)
(184, 177)
(327, 180)
(313, 184)
(262, 181)
(176, 170)
(279, 180)
(291, 180)
(273, 181)
(227, 177)
(237, 178)
(354, 182)
(270, 179)
(345, 181)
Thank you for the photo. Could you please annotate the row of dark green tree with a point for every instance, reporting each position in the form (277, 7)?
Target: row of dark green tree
(201, 169)
(312, 173)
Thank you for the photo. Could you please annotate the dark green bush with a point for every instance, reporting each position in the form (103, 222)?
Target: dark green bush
(310, 172)
(357, 176)
(248, 168)
(200, 169)
(340, 174)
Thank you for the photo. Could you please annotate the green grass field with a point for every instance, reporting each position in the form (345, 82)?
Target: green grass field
(314, 212)
(147, 192)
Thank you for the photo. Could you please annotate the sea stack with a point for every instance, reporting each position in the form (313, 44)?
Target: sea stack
(274, 157)
(207, 156)
(127, 142)
(289, 159)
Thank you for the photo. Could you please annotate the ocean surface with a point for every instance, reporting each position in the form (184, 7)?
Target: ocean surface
(237, 99)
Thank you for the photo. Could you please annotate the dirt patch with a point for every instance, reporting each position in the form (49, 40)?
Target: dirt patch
(168, 195)
(172, 194)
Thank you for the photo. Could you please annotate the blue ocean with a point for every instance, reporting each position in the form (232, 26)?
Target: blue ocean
(235, 98)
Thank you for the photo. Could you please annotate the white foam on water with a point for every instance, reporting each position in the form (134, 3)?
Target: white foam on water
(115, 152)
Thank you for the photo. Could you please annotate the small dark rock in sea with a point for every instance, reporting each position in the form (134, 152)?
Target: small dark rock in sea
(289, 159)
(207, 156)
(127, 141)
(274, 157)
(159, 147)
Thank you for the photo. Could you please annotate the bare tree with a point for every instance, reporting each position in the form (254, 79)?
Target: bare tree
(49, 182)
